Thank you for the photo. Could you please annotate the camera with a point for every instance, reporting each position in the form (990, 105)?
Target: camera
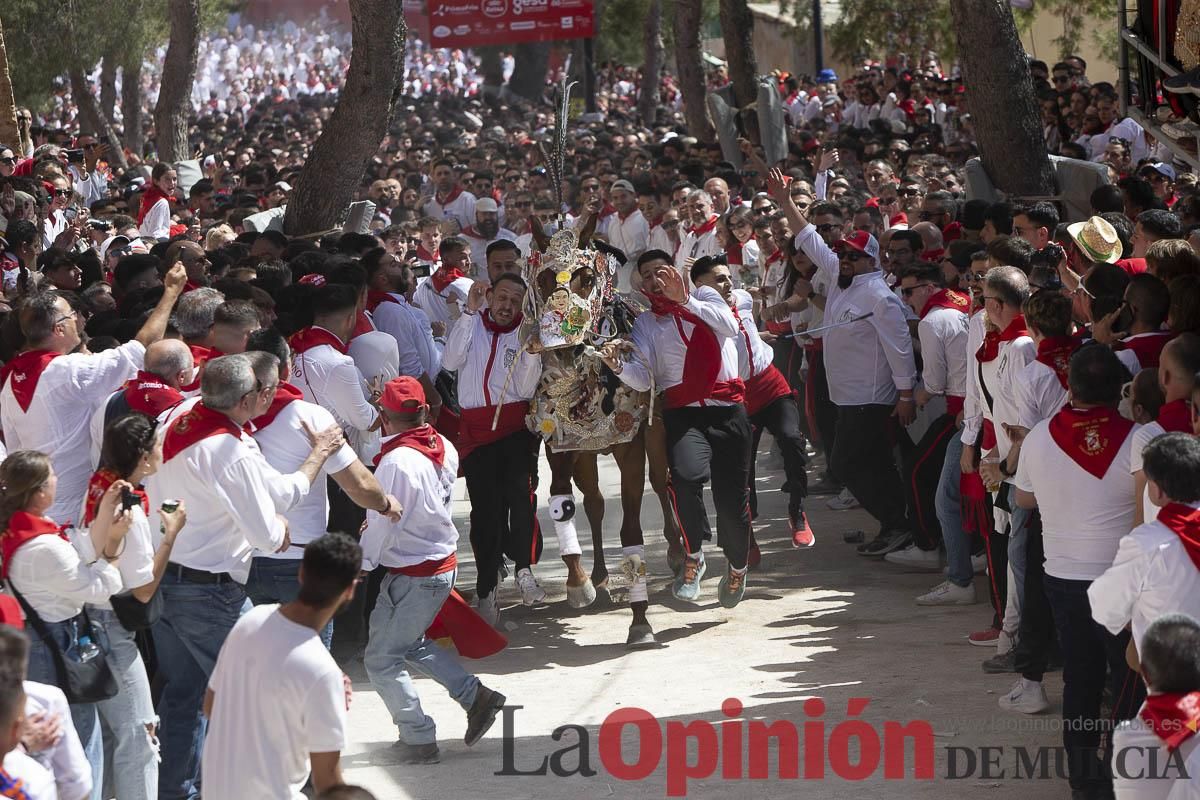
(129, 499)
(74, 156)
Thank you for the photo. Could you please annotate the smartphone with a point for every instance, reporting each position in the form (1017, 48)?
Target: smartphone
(70, 214)
(129, 499)
(74, 156)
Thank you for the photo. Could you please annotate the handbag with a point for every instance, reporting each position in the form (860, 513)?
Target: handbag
(81, 681)
(133, 614)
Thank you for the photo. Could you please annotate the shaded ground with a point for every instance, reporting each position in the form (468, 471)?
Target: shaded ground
(823, 623)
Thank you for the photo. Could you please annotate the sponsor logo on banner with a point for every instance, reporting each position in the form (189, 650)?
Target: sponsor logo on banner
(495, 8)
(529, 6)
(522, 26)
(441, 31)
(462, 30)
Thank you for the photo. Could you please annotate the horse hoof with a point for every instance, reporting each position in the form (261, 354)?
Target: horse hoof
(641, 636)
(581, 596)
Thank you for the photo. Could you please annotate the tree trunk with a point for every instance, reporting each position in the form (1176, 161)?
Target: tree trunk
(91, 119)
(359, 122)
(652, 65)
(492, 69)
(1007, 121)
(529, 73)
(737, 28)
(131, 104)
(9, 133)
(691, 70)
(179, 72)
(108, 87)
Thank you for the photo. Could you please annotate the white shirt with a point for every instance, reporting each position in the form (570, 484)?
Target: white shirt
(631, 236)
(278, 697)
(999, 378)
(1083, 518)
(67, 772)
(483, 360)
(754, 355)
(426, 530)
(479, 243)
(1151, 575)
(973, 403)
(57, 422)
(461, 209)
(136, 563)
(92, 186)
(434, 304)
(331, 380)
(157, 222)
(1146, 755)
(660, 347)
(868, 361)
(53, 578)
(1142, 438)
(659, 239)
(54, 224)
(285, 446)
(943, 336)
(414, 337)
(1039, 394)
(693, 246)
(232, 496)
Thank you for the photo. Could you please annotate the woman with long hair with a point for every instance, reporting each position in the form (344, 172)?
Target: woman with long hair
(741, 251)
(19, 248)
(154, 214)
(131, 453)
(55, 582)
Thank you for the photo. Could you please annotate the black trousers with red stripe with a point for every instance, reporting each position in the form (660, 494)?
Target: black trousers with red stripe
(782, 418)
(503, 512)
(706, 443)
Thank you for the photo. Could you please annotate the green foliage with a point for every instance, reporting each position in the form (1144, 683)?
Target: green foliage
(621, 29)
(871, 29)
(1074, 13)
(44, 39)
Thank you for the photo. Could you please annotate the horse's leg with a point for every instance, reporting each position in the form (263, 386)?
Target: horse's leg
(580, 592)
(587, 479)
(656, 454)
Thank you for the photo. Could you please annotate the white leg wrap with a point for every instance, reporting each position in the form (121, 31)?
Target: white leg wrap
(562, 512)
(634, 567)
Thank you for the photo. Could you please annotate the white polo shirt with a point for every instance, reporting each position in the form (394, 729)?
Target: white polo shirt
(285, 446)
(426, 530)
(1083, 518)
(57, 421)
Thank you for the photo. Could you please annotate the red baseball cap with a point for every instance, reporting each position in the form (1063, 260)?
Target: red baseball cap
(863, 242)
(403, 394)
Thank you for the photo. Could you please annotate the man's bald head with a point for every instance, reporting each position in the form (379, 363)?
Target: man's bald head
(171, 360)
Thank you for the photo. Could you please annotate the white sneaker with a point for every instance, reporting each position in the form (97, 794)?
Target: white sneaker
(842, 502)
(979, 564)
(1025, 697)
(915, 557)
(948, 593)
(488, 608)
(531, 591)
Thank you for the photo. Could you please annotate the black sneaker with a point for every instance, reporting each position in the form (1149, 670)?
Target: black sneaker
(418, 753)
(997, 665)
(483, 713)
(1183, 83)
(886, 542)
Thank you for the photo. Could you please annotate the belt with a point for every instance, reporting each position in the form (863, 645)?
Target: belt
(189, 575)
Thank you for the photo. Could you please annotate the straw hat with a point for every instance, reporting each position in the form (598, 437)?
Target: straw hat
(1097, 239)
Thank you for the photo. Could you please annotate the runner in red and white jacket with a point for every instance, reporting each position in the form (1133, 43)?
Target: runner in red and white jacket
(770, 402)
(685, 347)
(499, 462)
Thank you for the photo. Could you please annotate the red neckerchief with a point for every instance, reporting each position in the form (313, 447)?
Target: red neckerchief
(376, 298)
(149, 197)
(448, 199)
(491, 326)
(1147, 347)
(444, 277)
(147, 394)
(702, 359)
(26, 370)
(706, 227)
(1184, 521)
(774, 257)
(22, 527)
(97, 485)
(285, 394)
(201, 355)
(307, 338)
(1055, 352)
(1092, 437)
(1173, 717)
(424, 439)
(607, 211)
(733, 253)
(196, 425)
(362, 324)
(623, 217)
(654, 223)
(946, 298)
(191, 286)
(952, 232)
(424, 255)
(992, 339)
(1175, 417)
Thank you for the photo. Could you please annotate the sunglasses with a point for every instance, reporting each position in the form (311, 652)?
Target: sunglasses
(908, 192)
(909, 290)
(62, 193)
(827, 227)
(852, 255)
(8, 160)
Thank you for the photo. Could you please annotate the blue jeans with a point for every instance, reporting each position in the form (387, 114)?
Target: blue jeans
(1018, 536)
(196, 619)
(405, 608)
(87, 723)
(132, 749)
(277, 580)
(948, 503)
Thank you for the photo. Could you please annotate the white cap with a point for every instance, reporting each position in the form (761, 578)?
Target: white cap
(487, 205)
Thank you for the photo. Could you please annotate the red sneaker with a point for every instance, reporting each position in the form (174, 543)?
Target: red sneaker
(985, 638)
(802, 535)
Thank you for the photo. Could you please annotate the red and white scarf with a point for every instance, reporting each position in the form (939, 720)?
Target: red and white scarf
(1091, 437)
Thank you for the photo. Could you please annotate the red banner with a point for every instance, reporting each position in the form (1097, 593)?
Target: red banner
(467, 23)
